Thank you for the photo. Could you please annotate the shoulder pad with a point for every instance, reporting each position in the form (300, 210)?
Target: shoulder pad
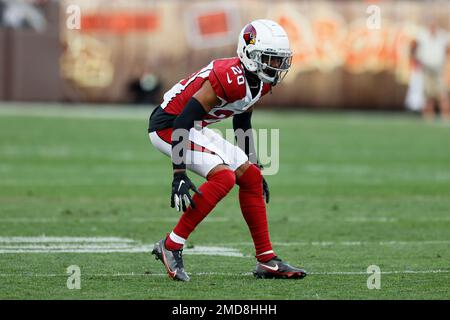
(228, 80)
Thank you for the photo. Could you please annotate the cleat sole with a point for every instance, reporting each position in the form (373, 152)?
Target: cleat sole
(293, 276)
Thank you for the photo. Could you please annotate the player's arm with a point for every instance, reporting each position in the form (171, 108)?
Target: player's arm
(242, 125)
(196, 108)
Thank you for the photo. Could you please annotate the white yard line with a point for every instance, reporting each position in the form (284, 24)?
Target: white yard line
(342, 243)
(382, 272)
(112, 248)
(137, 249)
(208, 219)
(382, 219)
(391, 219)
(78, 250)
(97, 245)
(45, 244)
(335, 273)
(46, 239)
(100, 220)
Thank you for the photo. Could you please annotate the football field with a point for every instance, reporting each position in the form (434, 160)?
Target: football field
(84, 187)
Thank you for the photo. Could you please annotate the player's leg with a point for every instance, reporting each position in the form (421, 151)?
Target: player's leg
(444, 104)
(445, 108)
(253, 207)
(428, 112)
(220, 180)
(249, 179)
(169, 250)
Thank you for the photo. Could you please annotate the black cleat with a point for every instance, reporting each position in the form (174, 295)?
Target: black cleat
(276, 268)
(172, 260)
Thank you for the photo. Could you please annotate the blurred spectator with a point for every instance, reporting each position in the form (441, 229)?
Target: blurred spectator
(2, 9)
(145, 89)
(429, 51)
(21, 14)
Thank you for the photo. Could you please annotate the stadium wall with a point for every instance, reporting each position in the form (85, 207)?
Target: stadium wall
(338, 63)
(3, 81)
(29, 61)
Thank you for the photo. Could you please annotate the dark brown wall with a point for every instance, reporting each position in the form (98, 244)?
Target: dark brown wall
(29, 61)
(35, 77)
(3, 74)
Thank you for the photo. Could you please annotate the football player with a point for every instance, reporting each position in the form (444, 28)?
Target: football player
(224, 88)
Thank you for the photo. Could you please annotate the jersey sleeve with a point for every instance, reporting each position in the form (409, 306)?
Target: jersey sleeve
(228, 80)
(217, 85)
(265, 89)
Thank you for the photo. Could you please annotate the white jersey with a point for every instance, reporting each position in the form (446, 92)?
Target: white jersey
(432, 49)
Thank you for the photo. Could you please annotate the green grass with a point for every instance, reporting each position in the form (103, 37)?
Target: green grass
(366, 178)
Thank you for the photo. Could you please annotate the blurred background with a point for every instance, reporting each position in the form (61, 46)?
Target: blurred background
(102, 51)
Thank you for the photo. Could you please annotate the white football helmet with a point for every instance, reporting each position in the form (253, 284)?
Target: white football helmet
(264, 49)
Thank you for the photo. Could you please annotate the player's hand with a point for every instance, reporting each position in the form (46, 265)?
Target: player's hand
(181, 185)
(266, 192)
